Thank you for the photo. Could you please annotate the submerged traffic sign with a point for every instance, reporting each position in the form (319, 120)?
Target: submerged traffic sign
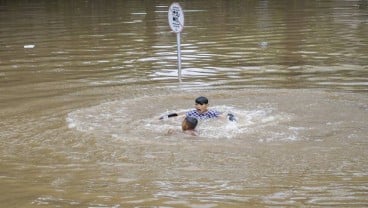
(176, 22)
(176, 17)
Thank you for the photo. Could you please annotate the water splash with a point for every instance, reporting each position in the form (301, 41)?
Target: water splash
(122, 119)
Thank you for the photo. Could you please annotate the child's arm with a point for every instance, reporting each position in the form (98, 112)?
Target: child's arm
(170, 115)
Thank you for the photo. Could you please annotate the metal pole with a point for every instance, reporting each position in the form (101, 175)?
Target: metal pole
(179, 55)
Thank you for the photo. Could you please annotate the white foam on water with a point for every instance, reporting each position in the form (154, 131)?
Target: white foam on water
(121, 119)
(29, 46)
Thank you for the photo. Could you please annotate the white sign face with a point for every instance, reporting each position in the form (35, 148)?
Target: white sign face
(176, 18)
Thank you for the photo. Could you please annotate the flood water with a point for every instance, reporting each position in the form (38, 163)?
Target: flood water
(83, 83)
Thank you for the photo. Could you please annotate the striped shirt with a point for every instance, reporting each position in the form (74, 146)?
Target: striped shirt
(206, 115)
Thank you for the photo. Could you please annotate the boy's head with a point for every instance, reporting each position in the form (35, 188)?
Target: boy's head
(201, 104)
(201, 100)
(189, 123)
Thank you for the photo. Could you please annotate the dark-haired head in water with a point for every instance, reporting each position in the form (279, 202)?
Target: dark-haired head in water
(189, 123)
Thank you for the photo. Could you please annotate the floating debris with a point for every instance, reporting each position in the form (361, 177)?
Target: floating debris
(29, 46)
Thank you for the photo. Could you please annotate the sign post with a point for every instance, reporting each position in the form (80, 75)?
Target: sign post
(176, 22)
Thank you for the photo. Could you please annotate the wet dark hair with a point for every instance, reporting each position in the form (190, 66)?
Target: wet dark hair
(192, 122)
(201, 100)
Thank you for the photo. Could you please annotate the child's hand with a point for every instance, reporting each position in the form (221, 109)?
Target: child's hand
(231, 117)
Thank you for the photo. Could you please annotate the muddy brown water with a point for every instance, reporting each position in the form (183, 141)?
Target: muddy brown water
(82, 84)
